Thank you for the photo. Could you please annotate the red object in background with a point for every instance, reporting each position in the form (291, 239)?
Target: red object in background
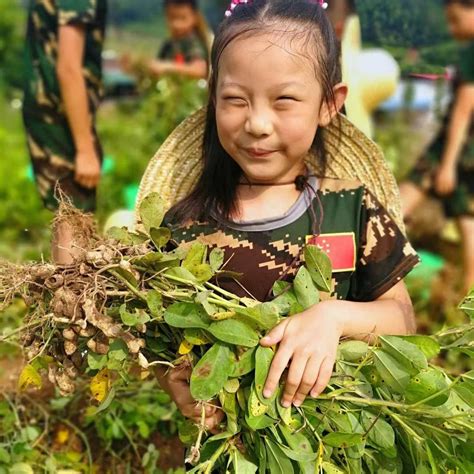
(340, 248)
(179, 58)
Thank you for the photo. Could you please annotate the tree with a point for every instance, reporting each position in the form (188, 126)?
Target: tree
(12, 28)
(402, 23)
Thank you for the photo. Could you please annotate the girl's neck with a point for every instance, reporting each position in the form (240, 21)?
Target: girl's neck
(263, 201)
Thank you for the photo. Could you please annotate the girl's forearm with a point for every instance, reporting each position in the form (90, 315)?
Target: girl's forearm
(365, 321)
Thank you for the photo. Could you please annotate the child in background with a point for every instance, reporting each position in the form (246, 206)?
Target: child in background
(63, 88)
(447, 168)
(338, 12)
(187, 51)
(276, 82)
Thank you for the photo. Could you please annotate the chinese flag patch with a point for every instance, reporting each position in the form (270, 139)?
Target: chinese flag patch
(340, 248)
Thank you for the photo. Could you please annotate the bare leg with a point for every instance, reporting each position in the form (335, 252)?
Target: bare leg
(466, 226)
(61, 248)
(412, 196)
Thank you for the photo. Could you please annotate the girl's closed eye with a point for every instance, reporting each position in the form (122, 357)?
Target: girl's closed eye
(235, 100)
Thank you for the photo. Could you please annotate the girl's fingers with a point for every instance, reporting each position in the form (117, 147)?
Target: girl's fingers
(293, 381)
(324, 375)
(279, 364)
(275, 335)
(308, 380)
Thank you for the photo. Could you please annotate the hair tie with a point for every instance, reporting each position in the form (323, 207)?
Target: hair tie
(234, 3)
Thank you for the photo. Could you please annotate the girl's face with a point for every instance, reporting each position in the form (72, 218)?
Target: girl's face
(269, 106)
(181, 20)
(460, 21)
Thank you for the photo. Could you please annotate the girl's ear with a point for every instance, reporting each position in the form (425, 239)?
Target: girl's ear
(329, 110)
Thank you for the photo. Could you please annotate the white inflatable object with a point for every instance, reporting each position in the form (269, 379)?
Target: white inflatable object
(121, 218)
(372, 76)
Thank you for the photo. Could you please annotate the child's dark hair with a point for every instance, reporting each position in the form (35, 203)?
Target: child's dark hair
(192, 3)
(465, 3)
(216, 188)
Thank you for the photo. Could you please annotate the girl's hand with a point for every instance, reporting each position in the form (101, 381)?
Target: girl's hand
(176, 383)
(310, 341)
(446, 179)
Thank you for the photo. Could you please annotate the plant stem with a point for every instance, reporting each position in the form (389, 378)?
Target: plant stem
(137, 293)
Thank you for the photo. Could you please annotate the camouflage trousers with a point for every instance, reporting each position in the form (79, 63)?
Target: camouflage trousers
(52, 152)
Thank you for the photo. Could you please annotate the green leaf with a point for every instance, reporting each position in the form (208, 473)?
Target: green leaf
(118, 350)
(196, 337)
(152, 211)
(188, 432)
(232, 385)
(202, 298)
(20, 468)
(257, 423)
(468, 305)
(241, 464)
(211, 372)
(160, 237)
(342, 440)
(155, 303)
(263, 361)
(195, 256)
(319, 267)
(263, 316)
(121, 234)
(278, 463)
(129, 319)
(187, 315)
(352, 351)
(393, 374)
(29, 376)
(127, 275)
(149, 260)
(234, 332)
(182, 273)
(300, 445)
(330, 468)
(425, 384)
(408, 354)
(244, 364)
(202, 272)
(381, 433)
(96, 361)
(305, 290)
(429, 346)
(216, 259)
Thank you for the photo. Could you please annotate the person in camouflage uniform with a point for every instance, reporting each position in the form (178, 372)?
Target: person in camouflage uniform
(446, 169)
(62, 91)
(186, 52)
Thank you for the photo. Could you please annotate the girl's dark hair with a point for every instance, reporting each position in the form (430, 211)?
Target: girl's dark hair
(305, 20)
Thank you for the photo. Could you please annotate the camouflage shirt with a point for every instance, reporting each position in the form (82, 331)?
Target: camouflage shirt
(369, 253)
(183, 50)
(42, 92)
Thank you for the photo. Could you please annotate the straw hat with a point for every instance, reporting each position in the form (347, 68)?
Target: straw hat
(176, 166)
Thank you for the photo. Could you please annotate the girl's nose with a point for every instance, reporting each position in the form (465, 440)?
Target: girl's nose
(258, 125)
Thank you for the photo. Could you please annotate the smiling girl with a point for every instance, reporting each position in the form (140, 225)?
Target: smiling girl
(264, 192)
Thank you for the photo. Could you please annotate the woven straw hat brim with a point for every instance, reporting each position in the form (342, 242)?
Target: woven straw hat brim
(176, 166)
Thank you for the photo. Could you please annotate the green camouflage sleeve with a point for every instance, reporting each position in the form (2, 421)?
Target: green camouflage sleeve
(466, 64)
(196, 50)
(76, 12)
(384, 256)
